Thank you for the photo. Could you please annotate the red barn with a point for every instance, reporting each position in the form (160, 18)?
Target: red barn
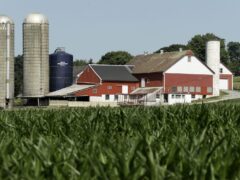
(180, 76)
(111, 82)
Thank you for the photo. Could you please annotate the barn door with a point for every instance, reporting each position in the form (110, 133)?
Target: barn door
(124, 89)
(142, 82)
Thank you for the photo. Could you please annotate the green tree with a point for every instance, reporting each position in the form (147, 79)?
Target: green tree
(173, 47)
(198, 45)
(82, 62)
(18, 75)
(116, 57)
(234, 51)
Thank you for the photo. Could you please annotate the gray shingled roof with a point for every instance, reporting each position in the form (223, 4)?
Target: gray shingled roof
(114, 72)
(76, 71)
(156, 62)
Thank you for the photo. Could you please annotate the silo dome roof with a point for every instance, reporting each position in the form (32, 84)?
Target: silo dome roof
(5, 19)
(36, 18)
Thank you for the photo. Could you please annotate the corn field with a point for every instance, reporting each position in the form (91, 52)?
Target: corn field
(175, 142)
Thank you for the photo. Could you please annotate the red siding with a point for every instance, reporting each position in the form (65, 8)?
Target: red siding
(229, 78)
(174, 80)
(88, 76)
(152, 79)
(103, 89)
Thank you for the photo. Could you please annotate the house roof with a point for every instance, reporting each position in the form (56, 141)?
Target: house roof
(68, 91)
(114, 72)
(156, 62)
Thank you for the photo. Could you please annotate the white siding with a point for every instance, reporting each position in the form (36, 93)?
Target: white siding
(224, 70)
(194, 66)
(179, 98)
(223, 84)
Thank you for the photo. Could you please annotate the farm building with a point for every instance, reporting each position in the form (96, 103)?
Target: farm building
(226, 78)
(112, 82)
(100, 83)
(179, 77)
(152, 79)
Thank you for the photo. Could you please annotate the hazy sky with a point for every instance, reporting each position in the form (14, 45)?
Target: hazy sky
(90, 28)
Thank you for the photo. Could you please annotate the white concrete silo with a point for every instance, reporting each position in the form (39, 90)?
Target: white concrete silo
(213, 62)
(6, 61)
(35, 56)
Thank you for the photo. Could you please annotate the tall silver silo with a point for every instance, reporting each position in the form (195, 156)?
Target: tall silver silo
(35, 56)
(6, 61)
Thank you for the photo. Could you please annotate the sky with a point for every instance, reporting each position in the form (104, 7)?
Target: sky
(90, 28)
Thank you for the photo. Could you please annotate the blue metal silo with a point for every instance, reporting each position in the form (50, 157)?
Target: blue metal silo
(61, 69)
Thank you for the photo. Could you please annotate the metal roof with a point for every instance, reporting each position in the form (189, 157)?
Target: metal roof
(36, 18)
(5, 19)
(156, 62)
(146, 90)
(69, 90)
(114, 72)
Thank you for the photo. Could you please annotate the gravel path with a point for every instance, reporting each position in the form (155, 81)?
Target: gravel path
(230, 95)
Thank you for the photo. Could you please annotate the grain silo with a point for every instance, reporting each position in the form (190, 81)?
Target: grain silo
(61, 69)
(213, 61)
(6, 61)
(35, 56)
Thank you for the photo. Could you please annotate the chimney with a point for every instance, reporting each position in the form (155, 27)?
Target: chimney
(213, 62)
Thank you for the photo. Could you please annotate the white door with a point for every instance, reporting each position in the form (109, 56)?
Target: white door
(142, 82)
(124, 89)
(223, 84)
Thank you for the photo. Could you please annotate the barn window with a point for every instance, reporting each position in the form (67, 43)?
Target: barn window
(173, 96)
(191, 89)
(193, 96)
(209, 89)
(185, 89)
(198, 89)
(157, 96)
(221, 70)
(174, 89)
(94, 91)
(179, 88)
(115, 97)
(178, 96)
(107, 97)
(109, 87)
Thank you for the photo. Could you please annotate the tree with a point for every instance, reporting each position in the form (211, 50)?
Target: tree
(234, 51)
(82, 62)
(116, 57)
(198, 45)
(173, 47)
(18, 75)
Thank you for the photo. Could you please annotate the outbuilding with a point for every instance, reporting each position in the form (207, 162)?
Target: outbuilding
(226, 78)
(111, 82)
